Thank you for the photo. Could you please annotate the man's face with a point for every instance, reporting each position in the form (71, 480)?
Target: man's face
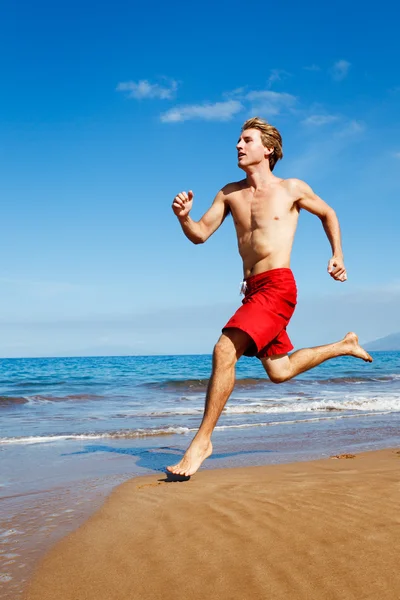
(250, 148)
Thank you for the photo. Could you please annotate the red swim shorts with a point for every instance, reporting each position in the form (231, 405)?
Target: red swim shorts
(269, 302)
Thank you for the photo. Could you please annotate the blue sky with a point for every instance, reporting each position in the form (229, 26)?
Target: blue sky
(109, 110)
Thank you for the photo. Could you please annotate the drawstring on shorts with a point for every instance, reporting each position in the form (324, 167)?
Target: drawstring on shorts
(243, 287)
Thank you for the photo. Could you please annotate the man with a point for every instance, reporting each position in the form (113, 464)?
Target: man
(265, 210)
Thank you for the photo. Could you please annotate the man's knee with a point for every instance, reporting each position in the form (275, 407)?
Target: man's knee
(224, 353)
(278, 377)
(278, 368)
(231, 346)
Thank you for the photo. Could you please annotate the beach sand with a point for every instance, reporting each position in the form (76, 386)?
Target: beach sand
(327, 529)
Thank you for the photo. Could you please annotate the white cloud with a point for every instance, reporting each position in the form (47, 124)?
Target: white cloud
(269, 102)
(320, 119)
(145, 89)
(340, 70)
(219, 111)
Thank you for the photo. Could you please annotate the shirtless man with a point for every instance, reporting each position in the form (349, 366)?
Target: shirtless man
(265, 210)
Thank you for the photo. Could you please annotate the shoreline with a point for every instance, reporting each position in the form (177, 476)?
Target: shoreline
(138, 523)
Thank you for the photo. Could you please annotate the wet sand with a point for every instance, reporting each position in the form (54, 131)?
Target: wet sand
(326, 529)
(31, 522)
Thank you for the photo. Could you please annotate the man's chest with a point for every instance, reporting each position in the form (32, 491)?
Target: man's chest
(249, 210)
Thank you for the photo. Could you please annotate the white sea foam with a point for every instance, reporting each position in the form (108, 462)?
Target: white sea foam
(353, 403)
(6, 533)
(131, 434)
(95, 436)
(296, 421)
(249, 406)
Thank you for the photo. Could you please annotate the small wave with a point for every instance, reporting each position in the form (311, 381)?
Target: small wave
(354, 379)
(162, 413)
(359, 404)
(43, 399)
(297, 421)
(11, 400)
(201, 384)
(251, 406)
(138, 433)
(78, 397)
(38, 383)
(114, 435)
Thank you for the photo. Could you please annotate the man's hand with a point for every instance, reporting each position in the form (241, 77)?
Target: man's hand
(182, 204)
(336, 269)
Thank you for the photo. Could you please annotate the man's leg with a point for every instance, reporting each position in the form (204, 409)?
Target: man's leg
(229, 348)
(283, 367)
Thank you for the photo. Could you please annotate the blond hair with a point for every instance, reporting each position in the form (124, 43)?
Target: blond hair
(270, 137)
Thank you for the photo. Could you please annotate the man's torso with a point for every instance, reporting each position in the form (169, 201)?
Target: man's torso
(265, 222)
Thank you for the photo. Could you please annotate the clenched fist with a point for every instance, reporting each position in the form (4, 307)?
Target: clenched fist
(336, 269)
(182, 204)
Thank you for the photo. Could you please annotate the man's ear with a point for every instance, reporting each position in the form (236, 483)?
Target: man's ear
(268, 151)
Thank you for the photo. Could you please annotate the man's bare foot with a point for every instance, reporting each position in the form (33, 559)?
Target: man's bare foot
(192, 459)
(353, 348)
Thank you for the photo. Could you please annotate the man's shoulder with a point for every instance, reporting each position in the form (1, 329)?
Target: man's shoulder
(293, 183)
(296, 187)
(234, 186)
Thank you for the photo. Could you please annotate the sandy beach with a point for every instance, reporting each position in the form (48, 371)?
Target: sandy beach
(326, 529)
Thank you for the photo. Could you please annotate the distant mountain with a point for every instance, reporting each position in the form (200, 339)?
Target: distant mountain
(390, 342)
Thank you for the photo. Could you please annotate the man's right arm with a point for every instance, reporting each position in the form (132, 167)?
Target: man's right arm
(199, 231)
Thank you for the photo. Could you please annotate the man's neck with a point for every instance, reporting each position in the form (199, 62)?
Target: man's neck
(258, 178)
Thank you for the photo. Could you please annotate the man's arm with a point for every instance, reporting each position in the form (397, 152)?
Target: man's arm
(199, 231)
(308, 200)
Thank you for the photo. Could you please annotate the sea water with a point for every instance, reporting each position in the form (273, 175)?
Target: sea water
(159, 400)
(73, 428)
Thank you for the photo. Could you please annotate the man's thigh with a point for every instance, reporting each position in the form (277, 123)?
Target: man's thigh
(236, 340)
(277, 366)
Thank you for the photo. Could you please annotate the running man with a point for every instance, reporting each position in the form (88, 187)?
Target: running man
(265, 211)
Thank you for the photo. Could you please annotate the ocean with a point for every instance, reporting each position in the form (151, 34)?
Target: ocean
(73, 428)
(157, 401)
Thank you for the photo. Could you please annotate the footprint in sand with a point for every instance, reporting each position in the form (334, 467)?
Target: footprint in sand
(344, 456)
(139, 487)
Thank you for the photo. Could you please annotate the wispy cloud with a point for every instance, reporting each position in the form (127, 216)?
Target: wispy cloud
(340, 70)
(270, 103)
(277, 75)
(236, 93)
(319, 120)
(144, 89)
(312, 68)
(321, 152)
(396, 155)
(219, 111)
(352, 128)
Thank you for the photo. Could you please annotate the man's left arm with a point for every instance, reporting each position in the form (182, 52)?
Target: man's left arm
(312, 203)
